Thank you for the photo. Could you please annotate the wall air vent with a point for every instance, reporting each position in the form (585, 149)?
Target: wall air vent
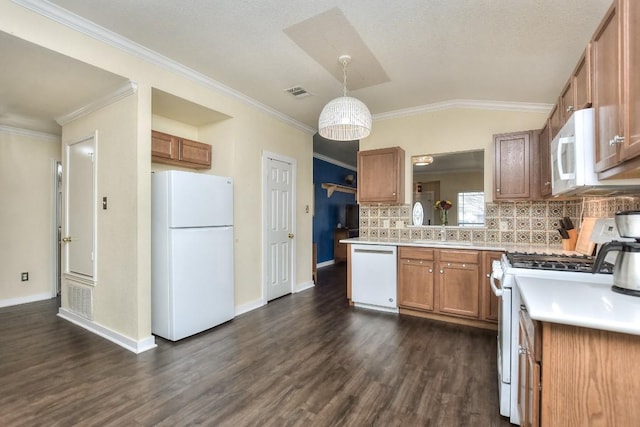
(81, 301)
(298, 92)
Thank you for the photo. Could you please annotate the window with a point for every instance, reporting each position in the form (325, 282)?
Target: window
(471, 209)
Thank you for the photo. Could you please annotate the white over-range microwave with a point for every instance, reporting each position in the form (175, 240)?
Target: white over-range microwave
(573, 161)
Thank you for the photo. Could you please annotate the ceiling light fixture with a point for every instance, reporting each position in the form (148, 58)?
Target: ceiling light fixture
(422, 160)
(344, 118)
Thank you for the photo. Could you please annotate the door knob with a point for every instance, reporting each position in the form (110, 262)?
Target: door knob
(66, 239)
(291, 235)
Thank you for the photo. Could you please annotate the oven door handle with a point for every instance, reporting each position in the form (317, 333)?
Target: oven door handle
(492, 281)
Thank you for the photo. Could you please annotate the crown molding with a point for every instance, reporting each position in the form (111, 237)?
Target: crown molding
(84, 26)
(468, 104)
(334, 161)
(49, 137)
(129, 88)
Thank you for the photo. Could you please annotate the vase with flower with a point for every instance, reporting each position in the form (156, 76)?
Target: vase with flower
(443, 207)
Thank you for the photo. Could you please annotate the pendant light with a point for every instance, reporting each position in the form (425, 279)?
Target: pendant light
(344, 118)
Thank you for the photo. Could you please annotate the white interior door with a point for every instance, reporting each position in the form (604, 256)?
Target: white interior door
(80, 208)
(279, 228)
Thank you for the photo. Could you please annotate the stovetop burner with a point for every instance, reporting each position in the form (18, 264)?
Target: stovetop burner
(556, 262)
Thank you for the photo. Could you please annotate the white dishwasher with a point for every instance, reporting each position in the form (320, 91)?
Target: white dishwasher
(373, 277)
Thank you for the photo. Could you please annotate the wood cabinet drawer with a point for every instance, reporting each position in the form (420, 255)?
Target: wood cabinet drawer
(460, 256)
(416, 253)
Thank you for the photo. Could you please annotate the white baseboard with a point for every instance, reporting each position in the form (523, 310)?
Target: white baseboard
(303, 286)
(113, 336)
(326, 263)
(24, 300)
(245, 308)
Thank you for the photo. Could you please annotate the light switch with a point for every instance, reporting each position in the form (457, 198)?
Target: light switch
(104, 203)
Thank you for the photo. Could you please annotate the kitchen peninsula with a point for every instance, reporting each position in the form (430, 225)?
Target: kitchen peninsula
(579, 346)
(440, 280)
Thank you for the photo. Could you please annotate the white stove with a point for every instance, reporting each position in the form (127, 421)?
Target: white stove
(503, 283)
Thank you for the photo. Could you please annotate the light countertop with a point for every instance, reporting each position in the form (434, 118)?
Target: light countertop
(580, 303)
(451, 244)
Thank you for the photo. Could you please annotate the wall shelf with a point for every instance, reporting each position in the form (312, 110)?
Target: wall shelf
(331, 188)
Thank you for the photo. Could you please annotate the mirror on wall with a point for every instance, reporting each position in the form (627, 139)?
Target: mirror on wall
(454, 177)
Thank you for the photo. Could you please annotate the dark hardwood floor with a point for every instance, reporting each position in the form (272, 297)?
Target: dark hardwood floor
(303, 360)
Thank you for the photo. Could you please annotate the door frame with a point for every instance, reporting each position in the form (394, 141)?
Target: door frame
(65, 214)
(56, 242)
(266, 156)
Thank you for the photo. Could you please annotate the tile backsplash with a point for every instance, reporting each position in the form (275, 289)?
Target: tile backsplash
(505, 222)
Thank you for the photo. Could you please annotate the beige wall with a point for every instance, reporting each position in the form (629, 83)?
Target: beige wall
(449, 131)
(27, 209)
(238, 144)
(116, 302)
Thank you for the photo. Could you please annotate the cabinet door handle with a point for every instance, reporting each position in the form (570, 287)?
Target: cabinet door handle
(570, 109)
(616, 140)
(441, 272)
(430, 270)
(522, 350)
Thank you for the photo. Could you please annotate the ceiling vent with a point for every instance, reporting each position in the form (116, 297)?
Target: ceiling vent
(298, 92)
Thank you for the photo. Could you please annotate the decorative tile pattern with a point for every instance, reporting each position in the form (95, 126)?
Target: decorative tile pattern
(491, 210)
(479, 235)
(464, 235)
(505, 222)
(539, 237)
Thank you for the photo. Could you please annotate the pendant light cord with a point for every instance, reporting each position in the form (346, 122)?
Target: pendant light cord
(344, 76)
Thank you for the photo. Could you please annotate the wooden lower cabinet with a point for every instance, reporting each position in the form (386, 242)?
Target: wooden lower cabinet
(575, 376)
(490, 302)
(529, 381)
(459, 282)
(416, 276)
(444, 284)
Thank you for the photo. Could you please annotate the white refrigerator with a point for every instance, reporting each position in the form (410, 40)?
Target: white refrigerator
(191, 253)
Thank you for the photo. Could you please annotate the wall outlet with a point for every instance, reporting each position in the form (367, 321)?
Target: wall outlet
(385, 223)
(25, 276)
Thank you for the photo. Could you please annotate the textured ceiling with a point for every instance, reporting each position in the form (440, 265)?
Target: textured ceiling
(431, 51)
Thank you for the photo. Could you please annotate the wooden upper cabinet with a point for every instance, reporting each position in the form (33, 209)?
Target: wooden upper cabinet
(173, 150)
(567, 102)
(555, 120)
(163, 146)
(616, 91)
(606, 88)
(545, 161)
(582, 80)
(576, 94)
(381, 176)
(195, 153)
(630, 148)
(516, 167)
